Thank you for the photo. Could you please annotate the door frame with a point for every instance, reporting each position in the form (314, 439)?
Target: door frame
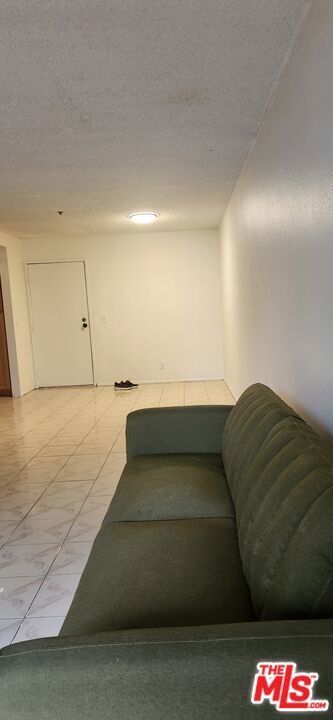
(6, 392)
(58, 261)
(10, 325)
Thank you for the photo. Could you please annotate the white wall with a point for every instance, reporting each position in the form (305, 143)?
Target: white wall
(160, 294)
(16, 314)
(277, 239)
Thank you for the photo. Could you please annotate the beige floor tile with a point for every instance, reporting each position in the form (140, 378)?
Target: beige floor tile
(105, 485)
(13, 510)
(53, 510)
(26, 560)
(6, 530)
(72, 558)
(16, 595)
(55, 596)
(57, 450)
(101, 449)
(27, 490)
(8, 630)
(113, 467)
(32, 628)
(36, 531)
(67, 441)
(36, 475)
(62, 490)
(85, 530)
(46, 463)
(81, 467)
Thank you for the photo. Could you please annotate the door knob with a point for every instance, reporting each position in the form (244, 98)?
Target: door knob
(84, 319)
(85, 325)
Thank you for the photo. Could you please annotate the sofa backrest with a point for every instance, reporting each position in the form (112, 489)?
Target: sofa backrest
(256, 412)
(281, 480)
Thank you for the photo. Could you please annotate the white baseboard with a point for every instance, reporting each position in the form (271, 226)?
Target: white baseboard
(162, 382)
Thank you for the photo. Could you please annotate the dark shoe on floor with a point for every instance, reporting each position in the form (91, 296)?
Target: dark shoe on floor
(127, 385)
(130, 385)
(121, 386)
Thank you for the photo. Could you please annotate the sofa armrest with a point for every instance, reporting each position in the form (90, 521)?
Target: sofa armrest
(169, 674)
(193, 429)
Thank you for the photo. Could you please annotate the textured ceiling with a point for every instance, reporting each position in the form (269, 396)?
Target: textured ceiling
(113, 106)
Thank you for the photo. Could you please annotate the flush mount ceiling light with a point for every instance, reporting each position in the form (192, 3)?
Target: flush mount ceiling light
(143, 218)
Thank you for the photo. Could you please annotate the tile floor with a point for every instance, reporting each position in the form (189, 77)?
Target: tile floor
(62, 452)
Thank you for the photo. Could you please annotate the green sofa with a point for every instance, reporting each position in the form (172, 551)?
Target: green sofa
(216, 553)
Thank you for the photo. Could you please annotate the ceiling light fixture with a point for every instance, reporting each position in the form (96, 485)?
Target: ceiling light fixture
(143, 218)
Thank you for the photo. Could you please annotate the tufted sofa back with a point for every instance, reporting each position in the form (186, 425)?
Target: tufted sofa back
(281, 479)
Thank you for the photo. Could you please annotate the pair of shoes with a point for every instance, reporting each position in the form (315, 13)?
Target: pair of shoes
(127, 385)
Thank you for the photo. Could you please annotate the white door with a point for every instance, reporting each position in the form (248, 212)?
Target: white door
(60, 324)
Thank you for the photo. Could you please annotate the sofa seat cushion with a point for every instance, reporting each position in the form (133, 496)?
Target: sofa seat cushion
(171, 487)
(161, 574)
